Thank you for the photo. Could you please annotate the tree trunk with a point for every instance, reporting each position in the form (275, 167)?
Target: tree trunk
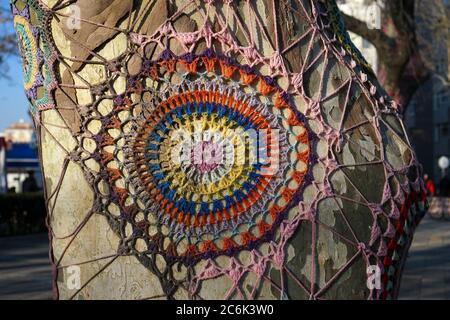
(326, 214)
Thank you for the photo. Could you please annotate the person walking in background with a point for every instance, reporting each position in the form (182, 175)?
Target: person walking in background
(30, 184)
(429, 186)
(444, 186)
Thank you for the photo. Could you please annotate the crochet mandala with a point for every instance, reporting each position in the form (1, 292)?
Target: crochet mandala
(215, 148)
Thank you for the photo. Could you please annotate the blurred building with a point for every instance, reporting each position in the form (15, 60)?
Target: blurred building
(3, 146)
(19, 132)
(428, 115)
(18, 157)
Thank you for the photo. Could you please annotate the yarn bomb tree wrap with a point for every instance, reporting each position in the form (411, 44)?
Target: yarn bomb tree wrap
(216, 149)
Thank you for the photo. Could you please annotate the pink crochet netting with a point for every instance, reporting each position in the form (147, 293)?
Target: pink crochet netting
(362, 107)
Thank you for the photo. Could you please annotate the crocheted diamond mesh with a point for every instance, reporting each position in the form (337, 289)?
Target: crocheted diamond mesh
(296, 168)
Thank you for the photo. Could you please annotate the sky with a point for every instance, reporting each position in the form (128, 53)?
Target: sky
(13, 102)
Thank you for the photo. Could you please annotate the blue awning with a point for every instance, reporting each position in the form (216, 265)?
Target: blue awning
(21, 157)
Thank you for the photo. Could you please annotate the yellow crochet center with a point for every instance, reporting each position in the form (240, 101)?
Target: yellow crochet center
(206, 190)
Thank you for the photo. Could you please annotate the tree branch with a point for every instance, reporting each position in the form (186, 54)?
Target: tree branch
(374, 36)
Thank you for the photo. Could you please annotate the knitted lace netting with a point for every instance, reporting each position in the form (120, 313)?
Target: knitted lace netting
(345, 193)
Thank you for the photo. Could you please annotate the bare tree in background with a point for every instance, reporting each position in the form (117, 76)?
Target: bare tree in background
(406, 43)
(8, 45)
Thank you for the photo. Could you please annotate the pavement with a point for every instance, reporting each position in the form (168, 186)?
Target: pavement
(427, 270)
(25, 271)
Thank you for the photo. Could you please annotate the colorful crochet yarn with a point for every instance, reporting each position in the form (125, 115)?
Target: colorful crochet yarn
(28, 49)
(31, 25)
(233, 149)
(211, 204)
